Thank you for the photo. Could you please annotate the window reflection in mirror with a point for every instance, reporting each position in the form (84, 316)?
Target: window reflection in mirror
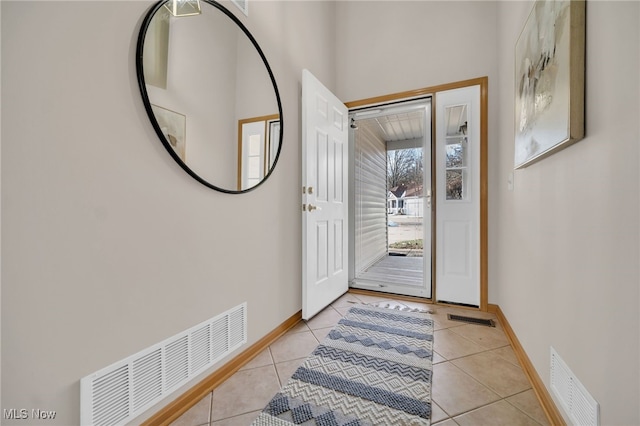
(257, 148)
(206, 71)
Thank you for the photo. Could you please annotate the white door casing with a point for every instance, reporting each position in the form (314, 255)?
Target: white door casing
(325, 195)
(458, 216)
(427, 200)
(252, 170)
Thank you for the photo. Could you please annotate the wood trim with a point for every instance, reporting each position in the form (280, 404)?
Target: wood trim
(546, 402)
(179, 406)
(416, 299)
(239, 171)
(375, 293)
(416, 93)
(484, 185)
(260, 118)
(483, 82)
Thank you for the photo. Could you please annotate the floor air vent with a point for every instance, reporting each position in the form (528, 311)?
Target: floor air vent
(471, 320)
(122, 391)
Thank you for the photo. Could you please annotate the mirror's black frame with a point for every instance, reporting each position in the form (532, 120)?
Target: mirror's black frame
(147, 104)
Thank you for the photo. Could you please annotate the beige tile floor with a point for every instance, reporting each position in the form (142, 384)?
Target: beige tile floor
(476, 376)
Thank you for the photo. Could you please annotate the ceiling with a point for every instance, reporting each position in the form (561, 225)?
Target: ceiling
(400, 126)
(395, 127)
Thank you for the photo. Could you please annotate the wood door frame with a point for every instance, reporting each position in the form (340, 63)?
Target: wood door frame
(483, 82)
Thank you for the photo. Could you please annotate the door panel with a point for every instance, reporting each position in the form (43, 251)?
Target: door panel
(458, 196)
(324, 182)
(456, 243)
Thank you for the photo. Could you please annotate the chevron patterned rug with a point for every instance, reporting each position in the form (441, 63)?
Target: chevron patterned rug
(373, 368)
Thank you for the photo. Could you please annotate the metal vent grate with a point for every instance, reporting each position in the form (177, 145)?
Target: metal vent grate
(471, 320)
(574, 398)
(120, 392)
(147, 378)
(114, 387)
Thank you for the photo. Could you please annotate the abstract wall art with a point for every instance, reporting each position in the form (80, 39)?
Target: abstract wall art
(549, 80)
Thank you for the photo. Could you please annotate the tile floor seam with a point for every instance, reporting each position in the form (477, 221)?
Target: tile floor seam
(516, 363)
(467, 355)
(210, 416)
(277, 375)
(543, 413)
(487, 405)
(452, 417)
(234, 416)
(518, 408)
(489, 386)
(485, 348)
(475, 380)
(461, 335)
(480, 407)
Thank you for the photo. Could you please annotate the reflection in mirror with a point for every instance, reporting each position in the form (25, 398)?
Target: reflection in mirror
(210, 95)
(255, 148)
(456, 153)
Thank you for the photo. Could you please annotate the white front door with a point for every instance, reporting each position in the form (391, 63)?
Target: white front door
(325, 195)
(458, 196)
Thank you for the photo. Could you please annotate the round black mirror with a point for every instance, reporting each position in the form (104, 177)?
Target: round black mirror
(210, 94)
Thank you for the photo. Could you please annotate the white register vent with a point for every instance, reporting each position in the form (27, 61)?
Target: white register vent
(118, 393)
(582, 409)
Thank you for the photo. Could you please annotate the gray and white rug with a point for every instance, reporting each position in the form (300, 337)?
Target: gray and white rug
(373, 368)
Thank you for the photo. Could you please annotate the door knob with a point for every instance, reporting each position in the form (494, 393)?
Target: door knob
(311, 207)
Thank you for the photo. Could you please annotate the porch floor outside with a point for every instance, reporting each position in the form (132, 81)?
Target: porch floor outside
(401, 270)
(404, 262)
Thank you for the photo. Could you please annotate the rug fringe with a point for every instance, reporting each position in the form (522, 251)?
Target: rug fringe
(393, 304)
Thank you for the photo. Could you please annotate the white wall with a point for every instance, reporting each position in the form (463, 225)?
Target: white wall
(0, 209)
(394, 46)
(108, 246)
(567, 236)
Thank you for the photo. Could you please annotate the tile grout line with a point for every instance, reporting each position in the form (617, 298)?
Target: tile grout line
(210, 422)
(483, 405)
(519, 409)
(484, 384)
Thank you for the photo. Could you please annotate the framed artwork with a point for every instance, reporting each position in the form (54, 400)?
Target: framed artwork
(174, 128)
(549, 80)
